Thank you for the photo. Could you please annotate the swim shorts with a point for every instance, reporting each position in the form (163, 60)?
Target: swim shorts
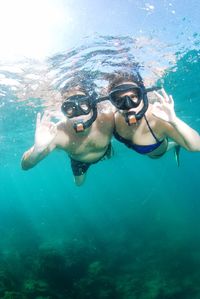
(79, 168)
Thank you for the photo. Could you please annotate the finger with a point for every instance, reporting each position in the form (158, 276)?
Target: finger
(159, 113)
(164, 92)
(53, 129)
(159, 96)
(167, 98)
(38, 119)
(157, 104)
(157, 108)
(46, 116)
(171, 100)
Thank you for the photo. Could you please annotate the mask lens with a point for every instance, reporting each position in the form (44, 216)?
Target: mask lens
(121, 93)
(117, 100)
(135, 99)
(69, 111)
(68, 108)
(76, 105)
(85, 106)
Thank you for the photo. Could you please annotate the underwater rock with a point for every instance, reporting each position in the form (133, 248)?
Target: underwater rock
(95, 268)
(6, 282)
(35, 288)
(14, 295)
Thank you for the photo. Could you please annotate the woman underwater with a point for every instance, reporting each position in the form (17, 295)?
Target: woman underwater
(144, 127)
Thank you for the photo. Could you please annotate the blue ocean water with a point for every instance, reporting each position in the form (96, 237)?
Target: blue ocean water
(132, 230)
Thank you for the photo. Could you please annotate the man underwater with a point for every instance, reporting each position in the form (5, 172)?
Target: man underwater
(85, 134)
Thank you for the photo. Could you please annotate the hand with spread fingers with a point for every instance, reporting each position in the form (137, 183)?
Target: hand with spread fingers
(164, 109)
(45, 131)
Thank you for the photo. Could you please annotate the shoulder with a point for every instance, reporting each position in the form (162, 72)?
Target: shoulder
(62, 135)
(61, 125)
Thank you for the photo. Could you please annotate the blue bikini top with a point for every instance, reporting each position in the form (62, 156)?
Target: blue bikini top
(141, 149)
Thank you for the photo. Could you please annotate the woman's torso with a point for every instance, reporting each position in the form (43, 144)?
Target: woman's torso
(145, 137)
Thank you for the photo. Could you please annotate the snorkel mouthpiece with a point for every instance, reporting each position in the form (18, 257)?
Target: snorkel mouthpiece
(130, 119)
(80, 125)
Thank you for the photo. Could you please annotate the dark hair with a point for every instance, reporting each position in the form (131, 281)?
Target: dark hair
(68, 92)
(80, 81)
(118, 78)
(73, 84)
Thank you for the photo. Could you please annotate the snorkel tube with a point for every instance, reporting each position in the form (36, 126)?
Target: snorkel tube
(132, 117)
(80, 125)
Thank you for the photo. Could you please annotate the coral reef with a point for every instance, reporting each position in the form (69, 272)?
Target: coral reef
(80, 271)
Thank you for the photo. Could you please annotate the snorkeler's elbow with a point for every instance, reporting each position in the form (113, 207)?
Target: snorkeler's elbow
(193, 147)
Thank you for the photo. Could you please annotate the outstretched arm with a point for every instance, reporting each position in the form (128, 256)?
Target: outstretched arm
(44, 135)
(173, 127)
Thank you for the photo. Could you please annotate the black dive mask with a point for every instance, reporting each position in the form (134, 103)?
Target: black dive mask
(78, 105)
(125, 102)
(129, 102)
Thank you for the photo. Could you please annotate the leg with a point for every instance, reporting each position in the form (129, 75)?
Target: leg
(79, 171)
(171, 145)
(80, 179)
(176, 147)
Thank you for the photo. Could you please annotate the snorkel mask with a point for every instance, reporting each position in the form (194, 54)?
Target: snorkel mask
(78, 105)
(127, 103)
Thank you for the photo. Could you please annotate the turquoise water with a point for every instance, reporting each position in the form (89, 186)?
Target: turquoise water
(133, 230)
